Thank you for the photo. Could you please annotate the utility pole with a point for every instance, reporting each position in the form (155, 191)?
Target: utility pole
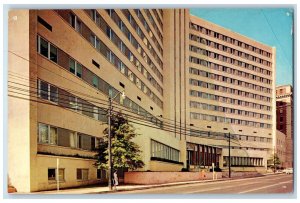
(229, 156)
(109, 138)
(274, 162)
(109, 146)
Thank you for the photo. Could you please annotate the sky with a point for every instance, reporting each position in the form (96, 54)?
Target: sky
(270, 26)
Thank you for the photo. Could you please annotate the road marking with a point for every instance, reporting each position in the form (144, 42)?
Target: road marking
(264, 187)
(218, 188)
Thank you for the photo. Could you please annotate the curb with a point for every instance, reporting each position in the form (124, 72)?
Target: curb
(157, 186)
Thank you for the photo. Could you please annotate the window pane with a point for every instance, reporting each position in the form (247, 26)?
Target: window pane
(85, 174)
(64, 137)
(53, 53)
(72, 102)
(43, 133)
(98, 173)
(95, 81)
(43, 90)
(43, 47)
(61, 174)
(86, 142)
(79, 174)
(53, 135)
(78, 70)
(51, 174)
(72, 65)
(53, 94)
(73, 139)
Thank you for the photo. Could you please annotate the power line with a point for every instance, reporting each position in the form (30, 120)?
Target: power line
(132, 119)
(171, 126)
(276, 37)
(184, 127)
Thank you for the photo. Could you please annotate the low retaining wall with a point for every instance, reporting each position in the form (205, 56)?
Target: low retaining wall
(148, 178)
(241, 174)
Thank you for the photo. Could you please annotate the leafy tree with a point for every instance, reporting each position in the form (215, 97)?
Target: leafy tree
(273, 160)
(125, 153)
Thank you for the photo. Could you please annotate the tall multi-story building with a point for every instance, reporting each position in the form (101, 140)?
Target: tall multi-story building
(280, 149)
(188, 85)
(231, 84)
(284, 124)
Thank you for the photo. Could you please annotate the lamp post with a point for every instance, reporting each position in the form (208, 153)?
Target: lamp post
(109, 139)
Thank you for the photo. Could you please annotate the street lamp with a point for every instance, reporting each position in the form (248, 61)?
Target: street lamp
(109, 138)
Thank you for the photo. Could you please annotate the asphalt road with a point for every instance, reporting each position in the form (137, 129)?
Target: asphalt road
(271, 184)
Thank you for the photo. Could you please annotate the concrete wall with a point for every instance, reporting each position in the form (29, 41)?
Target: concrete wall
(149, 178)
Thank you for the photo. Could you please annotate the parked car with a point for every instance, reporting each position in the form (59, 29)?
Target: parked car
(288, 171)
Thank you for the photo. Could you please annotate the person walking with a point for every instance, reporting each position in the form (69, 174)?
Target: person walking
(115, 180)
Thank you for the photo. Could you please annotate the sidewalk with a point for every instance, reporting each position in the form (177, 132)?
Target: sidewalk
(104, 189)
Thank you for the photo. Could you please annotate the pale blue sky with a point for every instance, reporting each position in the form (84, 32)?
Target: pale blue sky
(271, 26)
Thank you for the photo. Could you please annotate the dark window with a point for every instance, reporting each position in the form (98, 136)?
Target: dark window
(121, 84)
(43, 90)
(139, 98)
(72, 65)
(78, 70)
(44, 47)
(51, 174)
(98, 173)
(208, 126)
(53, 94)
(96, 64)
(44, 23)
(151, 107)
(53, 53)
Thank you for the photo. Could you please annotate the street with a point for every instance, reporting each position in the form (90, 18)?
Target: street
(271, 184)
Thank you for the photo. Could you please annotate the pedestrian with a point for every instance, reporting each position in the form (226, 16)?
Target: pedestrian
(115, 180)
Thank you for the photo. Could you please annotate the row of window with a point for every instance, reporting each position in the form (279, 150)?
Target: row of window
(211, 65)
(229, 100)
(242, 161)
(196, 71)
(80, 71)
(229, 50)
(229, 60)
(82, 174)
(147, 27)
(224, 136)
(159, 20)
(231, 70)
(102, 48)
(142, 36)
(97, 43)
(161, 12)
(159, 150)
(52, 135)
(67, 100)
(158, 32)
(204, 106)
(228, 90)
(230, 40)
(232, 81)
(134, 24)
(114, 16)
(202, 155)
(108, 54)
(222, 119)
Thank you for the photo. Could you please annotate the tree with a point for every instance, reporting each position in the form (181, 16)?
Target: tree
(125, 153)
(273, 161)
